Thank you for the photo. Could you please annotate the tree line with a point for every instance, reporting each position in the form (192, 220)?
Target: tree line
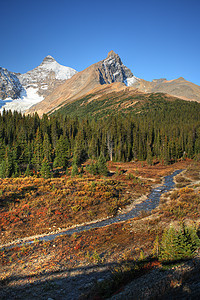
(164, 133)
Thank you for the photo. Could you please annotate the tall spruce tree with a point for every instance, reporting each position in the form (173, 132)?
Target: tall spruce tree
(101, 165)
(38, 151)
(45, 170)
(61, 152)
(47, 148)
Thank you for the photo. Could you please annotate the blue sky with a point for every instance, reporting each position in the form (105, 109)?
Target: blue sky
(154, 38)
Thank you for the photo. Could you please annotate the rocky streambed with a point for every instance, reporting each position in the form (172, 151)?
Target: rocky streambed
(148, 204)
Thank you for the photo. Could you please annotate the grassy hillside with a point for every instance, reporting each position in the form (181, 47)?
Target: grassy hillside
(100, 106)
(108, 104)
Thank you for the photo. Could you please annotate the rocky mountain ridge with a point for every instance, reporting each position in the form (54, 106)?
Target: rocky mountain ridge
(21, 91)
(51, 85)
(107, 71)
(179, 87)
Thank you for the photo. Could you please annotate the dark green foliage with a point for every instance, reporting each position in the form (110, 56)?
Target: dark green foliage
(6, 166)
(74, 170)
(47, 148)
(178, 244)
(37, 151)
(92, 168)
(61, 152)
(80, 149)
(3, 169)
(45, 170)
(101, 165)
(149, 156)
(28, 171)
(161, 130)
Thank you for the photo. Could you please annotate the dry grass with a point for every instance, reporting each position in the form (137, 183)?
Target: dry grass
(117, 243)
(31, 205)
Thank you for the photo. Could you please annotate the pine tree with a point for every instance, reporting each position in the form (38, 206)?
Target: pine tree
(149, 156)
(80, 153)
(74, 170)
(188, 241)
(45, 170)
(92, 168)
(38, 151)
(169, 245)
(156, 247)
(7, 164)
(2, 169)
(28, 171)
(47, 149)
(101, 165)
(62, 152)
(179, 244)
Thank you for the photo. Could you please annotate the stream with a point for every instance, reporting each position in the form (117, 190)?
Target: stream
(147, 205)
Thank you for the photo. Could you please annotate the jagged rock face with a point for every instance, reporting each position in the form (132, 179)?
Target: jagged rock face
(10, 86)
(113, 70)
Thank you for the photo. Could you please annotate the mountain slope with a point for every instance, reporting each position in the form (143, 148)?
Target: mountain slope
(51, 85)
(111, 99)
(35, 85)
(178, 87)
(107, 71)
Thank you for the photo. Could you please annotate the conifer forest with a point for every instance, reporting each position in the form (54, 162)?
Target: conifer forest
(162, 134)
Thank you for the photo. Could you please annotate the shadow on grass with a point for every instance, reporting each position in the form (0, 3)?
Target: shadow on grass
(15, 196)
(101, 281)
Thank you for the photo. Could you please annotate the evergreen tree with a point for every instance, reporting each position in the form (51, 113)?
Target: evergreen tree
(2, 169)
(47, 149)
(28, 171)
(169, 245)
(45, 170)
(7, 164)
(178, 244)
(80, 152)
(61, 152)
(93, 169)
(101, 165)
(74, 170)
(149, 156)
(38, 151)
(188, 241)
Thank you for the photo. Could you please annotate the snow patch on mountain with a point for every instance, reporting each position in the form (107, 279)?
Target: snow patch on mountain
(28, 98)
(61, 72)
(21, 91)
(130, 81)
(48, 69)
(43, 71)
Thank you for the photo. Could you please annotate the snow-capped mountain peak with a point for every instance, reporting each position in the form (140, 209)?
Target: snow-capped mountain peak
(49, 64)
(36, 84)
(48, 59)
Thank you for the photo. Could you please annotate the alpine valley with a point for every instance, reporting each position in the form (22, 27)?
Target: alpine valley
(99, 184)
